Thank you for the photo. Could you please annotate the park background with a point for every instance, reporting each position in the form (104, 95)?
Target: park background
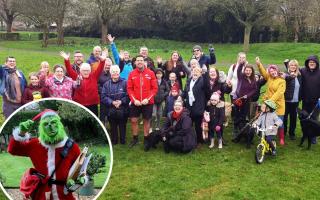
(275, 29)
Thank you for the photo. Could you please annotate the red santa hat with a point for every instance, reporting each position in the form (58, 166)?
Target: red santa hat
(44, 114)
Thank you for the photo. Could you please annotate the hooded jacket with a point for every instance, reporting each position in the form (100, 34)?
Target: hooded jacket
(163, 90)
(275, 89)
(310, 81)
(182, 128)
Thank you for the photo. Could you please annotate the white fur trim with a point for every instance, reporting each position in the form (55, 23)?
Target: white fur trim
(86, 180)
(17, 137)
(51, 164)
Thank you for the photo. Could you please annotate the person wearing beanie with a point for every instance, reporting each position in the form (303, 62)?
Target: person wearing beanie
(86, 92)
(292, 96)
(52, 154)
(177, 132)
(203, 59)
(173, 95)
(216, 111)
(310, 84)
(276, 87)
(159, 99)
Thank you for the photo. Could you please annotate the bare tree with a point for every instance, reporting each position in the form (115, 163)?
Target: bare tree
(249, 13)
(107, 9)
(61, 9)
(42, 13)
(8, 12)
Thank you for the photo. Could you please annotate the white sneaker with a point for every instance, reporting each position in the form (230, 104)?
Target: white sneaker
(220, 144)
(212, 143)
(150, 130)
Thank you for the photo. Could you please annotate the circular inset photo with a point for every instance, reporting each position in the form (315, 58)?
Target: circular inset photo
(54, 149)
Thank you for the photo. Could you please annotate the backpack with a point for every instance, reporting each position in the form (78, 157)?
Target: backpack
(2, 82)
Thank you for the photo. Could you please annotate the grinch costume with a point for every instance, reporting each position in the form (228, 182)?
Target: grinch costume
(45, 153)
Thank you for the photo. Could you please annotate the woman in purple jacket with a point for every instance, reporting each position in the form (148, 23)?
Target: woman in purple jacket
(246, 88)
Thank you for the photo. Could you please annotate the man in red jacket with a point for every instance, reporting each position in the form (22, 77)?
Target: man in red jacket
(142, 87)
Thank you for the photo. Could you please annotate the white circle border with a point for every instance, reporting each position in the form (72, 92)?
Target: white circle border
(83, 107)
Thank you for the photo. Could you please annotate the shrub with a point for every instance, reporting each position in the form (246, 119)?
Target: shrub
(10, 36)
(50, 35)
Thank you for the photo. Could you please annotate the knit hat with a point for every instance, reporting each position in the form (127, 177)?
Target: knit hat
(175, 88)
(215, 96)
(44, 114)
(197, 47)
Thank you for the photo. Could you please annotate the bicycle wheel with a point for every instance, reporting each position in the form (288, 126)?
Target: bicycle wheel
(260, 152)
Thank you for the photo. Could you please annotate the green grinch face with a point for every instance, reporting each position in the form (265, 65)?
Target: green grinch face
(51, 130)
(50, 126)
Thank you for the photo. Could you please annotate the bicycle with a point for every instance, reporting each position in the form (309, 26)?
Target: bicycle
(263, 147)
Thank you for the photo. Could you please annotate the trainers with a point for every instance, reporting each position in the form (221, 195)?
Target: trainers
(314, 140)
(133, 142)
(212, 143)
(274, 152)
(220, 144)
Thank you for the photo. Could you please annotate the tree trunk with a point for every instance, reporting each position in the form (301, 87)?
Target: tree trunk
(104, 32)
(9, 23)
(45, 35)
(246, 39)
(60, 31)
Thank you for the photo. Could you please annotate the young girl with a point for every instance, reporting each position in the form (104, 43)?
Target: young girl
(217, 115)
(173, 95)
(44, 72)
(34, 91)
(269, 120)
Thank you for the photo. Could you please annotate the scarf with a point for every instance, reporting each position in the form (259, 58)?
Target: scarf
(10, 83)
(176, 115)
(212, 82)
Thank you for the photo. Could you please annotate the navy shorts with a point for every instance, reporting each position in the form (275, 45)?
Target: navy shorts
(145, 110)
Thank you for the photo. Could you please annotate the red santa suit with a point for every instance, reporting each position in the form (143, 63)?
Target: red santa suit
(45, 158)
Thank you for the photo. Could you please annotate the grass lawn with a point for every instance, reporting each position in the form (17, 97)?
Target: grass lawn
(203, 174)
(13, 174)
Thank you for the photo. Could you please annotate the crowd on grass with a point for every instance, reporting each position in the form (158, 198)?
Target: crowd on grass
(184, 116)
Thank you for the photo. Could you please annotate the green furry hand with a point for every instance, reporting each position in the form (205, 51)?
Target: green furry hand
(80, 180)
(26, 126)
(70, 183)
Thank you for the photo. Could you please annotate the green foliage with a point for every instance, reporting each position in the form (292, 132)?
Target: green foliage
(96, 164)
(50, 35)
(9, 36)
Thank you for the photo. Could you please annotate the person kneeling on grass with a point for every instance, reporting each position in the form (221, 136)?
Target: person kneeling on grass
(269, 120)
(177, 132)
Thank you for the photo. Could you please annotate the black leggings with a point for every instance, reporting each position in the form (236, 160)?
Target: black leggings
(291, 109)
(197, 120)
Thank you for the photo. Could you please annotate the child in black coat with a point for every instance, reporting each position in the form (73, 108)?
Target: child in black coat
(216, 108)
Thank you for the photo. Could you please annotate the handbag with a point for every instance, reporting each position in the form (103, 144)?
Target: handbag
(30, 182)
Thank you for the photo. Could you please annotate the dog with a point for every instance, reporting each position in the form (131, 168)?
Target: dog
(310, 127)
(155, 137)
(228, 110)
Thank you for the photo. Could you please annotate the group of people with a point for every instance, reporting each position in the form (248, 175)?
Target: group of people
(125, 88)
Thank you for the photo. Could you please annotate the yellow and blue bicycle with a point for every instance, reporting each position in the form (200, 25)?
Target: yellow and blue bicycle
(263, 147)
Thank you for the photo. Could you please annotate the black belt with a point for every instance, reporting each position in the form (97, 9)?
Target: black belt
(56, 182)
